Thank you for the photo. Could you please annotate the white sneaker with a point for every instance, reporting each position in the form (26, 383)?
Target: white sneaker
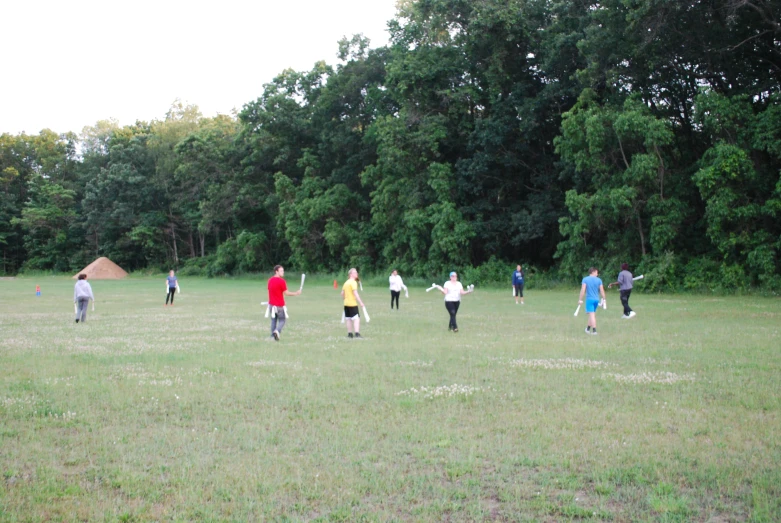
(632, 314)
(587, 331)
(624, 317)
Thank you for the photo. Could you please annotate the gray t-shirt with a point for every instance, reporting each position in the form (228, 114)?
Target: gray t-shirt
(172, 282)
(625, 280)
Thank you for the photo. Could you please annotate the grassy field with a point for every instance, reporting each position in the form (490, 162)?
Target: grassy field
(192, 413)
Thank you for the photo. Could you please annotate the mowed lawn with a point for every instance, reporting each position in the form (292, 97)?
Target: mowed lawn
(191, 412)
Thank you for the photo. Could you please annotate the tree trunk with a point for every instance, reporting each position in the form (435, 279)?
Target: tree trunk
(202, 239)
(173, 242)
(642, 236)
(191, 243)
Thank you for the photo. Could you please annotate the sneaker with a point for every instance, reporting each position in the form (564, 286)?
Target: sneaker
(594, 332)
(588, 331)
(358, 335)
(632, 314)
(276, 335)
(77, 320)
(350, 335)
(455, 330)
(625, 317)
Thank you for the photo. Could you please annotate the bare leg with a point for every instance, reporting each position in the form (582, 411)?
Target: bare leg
(592, 320)
(349, 323)
(357, 325)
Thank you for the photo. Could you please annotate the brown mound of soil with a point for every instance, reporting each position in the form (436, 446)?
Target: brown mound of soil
(102, 269)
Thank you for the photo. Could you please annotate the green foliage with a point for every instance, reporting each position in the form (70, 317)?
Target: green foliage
(566, 134)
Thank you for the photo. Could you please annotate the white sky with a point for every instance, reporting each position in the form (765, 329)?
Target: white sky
(67, 64)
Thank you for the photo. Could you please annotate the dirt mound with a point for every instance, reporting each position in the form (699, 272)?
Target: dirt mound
(102, 269)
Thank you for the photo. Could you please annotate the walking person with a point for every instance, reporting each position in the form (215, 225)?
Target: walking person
(82, 294)
(351, 300)
(625, 283)
(277, 290)
(453, 290)
(173, 285)
(518, 284)
(396, 284)
(591, 287)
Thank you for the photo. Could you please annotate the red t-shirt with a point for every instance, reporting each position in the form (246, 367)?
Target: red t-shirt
(276, 289)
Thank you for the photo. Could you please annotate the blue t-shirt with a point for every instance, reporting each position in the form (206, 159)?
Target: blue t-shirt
(517, 277)
(171, 282)
(592, 284)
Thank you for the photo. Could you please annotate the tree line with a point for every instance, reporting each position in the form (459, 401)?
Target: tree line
(555, 133)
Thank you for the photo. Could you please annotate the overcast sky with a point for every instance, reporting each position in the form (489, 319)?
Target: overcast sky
(68, 64)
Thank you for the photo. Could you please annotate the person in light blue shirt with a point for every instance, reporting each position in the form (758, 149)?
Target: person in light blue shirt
(173, 284)
(591, 287)
(518, 284)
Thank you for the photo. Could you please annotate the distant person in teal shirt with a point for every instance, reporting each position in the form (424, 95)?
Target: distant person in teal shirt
(591, 287)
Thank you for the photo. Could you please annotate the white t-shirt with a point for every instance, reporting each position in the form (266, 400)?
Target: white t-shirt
(453, 290)
(396, 284)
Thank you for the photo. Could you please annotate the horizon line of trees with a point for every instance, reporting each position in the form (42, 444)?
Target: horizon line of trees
(556, 133)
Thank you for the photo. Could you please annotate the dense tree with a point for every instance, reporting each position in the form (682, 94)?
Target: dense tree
(557, 133)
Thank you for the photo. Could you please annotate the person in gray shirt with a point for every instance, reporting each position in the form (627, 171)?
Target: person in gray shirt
(82, 294)
(625, 288)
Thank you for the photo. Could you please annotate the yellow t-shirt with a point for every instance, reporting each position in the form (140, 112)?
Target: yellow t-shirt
(349, 288)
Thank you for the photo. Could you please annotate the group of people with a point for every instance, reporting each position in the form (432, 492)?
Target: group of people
(592, 290)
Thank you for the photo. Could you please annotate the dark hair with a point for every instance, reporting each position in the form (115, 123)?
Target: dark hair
(592, 269)
(624, 266)
(276, 268)
(82, 276)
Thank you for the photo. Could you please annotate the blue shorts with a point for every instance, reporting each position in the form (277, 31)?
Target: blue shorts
(592, 305)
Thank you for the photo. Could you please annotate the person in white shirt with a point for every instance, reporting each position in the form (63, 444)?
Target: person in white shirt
(453, 290)
(82, 294)
(396, 284)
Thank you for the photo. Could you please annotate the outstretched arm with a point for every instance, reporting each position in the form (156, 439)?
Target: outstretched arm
(293, 293)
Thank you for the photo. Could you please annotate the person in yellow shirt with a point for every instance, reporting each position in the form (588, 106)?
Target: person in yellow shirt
(351, 300)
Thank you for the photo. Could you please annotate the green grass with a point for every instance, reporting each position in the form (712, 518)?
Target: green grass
(189, 413)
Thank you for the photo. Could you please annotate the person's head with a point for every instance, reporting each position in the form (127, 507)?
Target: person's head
(353, 273)
(593, 271)
(171, 272)
(518, 268)
(624, 266)
(279, 271)
(82, 276)
(395, 273)
(453, 276)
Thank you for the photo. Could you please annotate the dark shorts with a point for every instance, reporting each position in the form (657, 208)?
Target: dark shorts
(518, 290)
(351, 312)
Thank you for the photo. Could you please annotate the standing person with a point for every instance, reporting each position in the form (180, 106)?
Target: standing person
(453, 290)
(351, 300)
(82, 294)
(625, 284)
(518, 284)
(277, 290)
(173, 285)
(592, 288)
(396, 284)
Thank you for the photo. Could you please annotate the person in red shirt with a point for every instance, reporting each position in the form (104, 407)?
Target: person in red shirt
(277, 290)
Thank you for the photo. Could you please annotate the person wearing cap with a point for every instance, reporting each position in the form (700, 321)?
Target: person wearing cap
(453, 290)
(625, 284)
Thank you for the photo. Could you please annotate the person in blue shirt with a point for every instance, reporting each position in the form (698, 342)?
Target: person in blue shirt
(518, 284)
(591, 287)
(173, 285)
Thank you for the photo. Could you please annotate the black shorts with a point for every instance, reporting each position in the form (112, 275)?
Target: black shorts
(351, 312)
(518, 290)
